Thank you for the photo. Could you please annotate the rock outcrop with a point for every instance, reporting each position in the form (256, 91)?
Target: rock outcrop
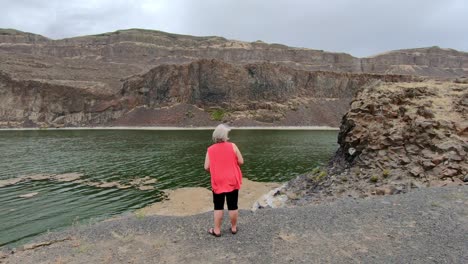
(406, 131)
(396, 137)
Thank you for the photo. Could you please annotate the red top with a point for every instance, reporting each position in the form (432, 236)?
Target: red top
(226, 175)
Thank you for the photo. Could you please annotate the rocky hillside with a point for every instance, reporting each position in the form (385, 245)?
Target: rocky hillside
(194, 94)
(396, 137)
(145, 77)
(151, 47)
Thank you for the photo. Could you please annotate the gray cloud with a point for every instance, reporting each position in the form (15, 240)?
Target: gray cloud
(361, 28)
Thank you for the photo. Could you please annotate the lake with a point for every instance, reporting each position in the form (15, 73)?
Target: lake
(173, 158)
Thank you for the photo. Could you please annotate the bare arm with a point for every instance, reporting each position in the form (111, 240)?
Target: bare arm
(207, 162)
(240, 159)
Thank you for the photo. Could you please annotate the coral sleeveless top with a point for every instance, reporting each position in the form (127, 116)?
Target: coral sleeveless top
(226, 175)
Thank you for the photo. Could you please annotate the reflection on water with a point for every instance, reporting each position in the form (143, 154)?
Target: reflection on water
(173, 158)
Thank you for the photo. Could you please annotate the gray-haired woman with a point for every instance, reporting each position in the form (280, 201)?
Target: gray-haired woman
(222, 160)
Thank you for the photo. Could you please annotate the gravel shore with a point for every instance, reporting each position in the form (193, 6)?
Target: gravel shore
(424, 226)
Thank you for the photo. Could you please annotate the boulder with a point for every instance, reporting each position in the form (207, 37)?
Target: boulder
(449, 172)
(416, 170)
(427, 165)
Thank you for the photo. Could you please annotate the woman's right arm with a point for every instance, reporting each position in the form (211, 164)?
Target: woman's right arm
(207, 162)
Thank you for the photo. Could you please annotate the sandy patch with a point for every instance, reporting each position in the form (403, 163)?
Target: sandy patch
(67, 177)
(189, 201)
(8, 182)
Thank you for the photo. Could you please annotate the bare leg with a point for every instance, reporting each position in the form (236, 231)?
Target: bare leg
(218, 219)
(233, 214)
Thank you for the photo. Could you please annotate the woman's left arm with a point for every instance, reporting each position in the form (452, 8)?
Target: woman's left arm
(240, 159)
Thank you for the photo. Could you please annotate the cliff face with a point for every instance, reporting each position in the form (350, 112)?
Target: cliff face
(214, 83)
(143, 77)
(148, 47)
(188, 94)
(35, 103)
(264, 92)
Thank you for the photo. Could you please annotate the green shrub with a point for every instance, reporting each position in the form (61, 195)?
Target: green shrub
(140, 215)
(316, 170)
(217, 115)
(385, 173)
(320, 176)
(189, 114)
(374, 179)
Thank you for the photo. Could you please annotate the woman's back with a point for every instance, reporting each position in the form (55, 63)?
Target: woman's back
(225, 173)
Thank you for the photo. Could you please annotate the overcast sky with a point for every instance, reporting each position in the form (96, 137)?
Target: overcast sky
(358, 27)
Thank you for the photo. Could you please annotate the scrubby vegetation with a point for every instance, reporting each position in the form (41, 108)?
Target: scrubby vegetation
(218, 114)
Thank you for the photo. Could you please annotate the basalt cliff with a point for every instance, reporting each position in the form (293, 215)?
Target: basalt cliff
(150, 78)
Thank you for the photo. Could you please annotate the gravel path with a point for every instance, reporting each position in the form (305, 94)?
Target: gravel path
(424, 226)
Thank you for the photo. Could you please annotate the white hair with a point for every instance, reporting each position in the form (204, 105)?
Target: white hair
(220, 134)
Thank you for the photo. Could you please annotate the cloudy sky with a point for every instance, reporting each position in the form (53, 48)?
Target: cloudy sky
(358, 27)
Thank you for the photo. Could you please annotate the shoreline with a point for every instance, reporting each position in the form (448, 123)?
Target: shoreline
(318, 128)
(362, 229)
(181, 202)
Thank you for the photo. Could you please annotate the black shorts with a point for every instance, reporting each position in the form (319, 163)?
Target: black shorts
(231, 198)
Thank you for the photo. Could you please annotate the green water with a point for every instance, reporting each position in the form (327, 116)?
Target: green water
(174, 158)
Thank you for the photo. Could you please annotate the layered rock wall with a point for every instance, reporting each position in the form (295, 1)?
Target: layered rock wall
(433, 61)
(148, 47)
(34, 103)
(216, 83)
(263, 93)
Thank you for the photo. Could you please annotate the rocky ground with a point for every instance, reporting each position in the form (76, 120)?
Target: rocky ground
(425, 226)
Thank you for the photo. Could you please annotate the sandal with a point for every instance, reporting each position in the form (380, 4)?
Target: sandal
(234, 232)
(212, 232)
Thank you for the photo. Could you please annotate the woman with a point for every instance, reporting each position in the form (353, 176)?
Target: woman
(222, 161)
